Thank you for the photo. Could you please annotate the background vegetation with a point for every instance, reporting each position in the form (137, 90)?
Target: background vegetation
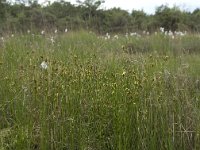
(20, 16)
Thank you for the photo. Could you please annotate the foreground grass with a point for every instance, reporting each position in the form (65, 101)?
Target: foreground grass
(94, 96)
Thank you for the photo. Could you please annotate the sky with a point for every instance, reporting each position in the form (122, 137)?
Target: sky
(148, 5)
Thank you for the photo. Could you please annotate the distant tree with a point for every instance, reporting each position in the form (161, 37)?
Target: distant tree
(117, 20)
(169, 18)
(195, 20)
(90, 11)
(139, 19)
(2, 11)
(91, 4)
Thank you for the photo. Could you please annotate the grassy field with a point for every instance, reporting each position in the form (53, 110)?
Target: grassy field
(82, 91)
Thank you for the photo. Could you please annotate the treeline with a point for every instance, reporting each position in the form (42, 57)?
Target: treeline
(30, 15)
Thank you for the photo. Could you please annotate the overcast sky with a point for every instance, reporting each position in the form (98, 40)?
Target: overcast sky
(148, 5)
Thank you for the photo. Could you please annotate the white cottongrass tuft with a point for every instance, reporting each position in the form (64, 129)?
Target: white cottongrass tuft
(2, 38)
(116, 37)
(107, 36)
(179, 33)
(162, 29)
(123, 73)
(42, 32)
(133, 34)
(52, 40)
(24, 88)
(66, 30)
(44, 65)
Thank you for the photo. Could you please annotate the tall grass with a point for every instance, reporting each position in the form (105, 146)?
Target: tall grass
(93, 95)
